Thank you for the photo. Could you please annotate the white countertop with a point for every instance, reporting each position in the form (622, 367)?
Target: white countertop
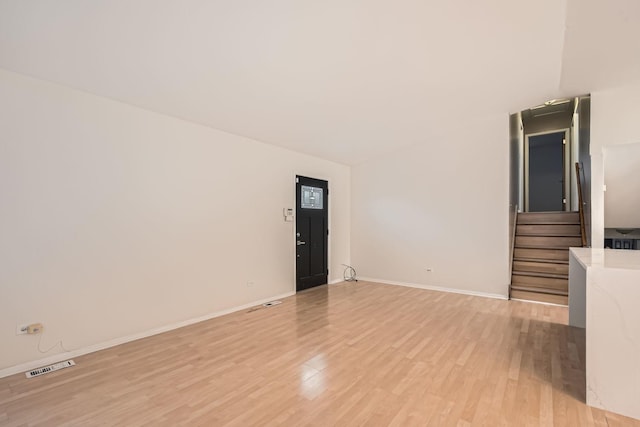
(607, 258)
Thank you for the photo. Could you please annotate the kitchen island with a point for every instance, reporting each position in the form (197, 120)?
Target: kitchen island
(604, 298)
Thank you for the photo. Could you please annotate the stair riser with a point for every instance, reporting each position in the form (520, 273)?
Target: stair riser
(539, 290)
(540, 267)
(548, 242)
(547, 230)
(541, 282)
(547, 217)
(534, 296)
(547, 254)
(563, 290)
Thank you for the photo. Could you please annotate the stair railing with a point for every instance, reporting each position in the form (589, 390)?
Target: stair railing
(513, 245)
(580, 182)
(513, 238)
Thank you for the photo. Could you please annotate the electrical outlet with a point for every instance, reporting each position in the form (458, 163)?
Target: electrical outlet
(429, 269)
(34, 328)
(29, 328)
(250, 284)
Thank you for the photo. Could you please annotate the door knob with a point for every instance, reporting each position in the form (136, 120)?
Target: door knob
(300, 243)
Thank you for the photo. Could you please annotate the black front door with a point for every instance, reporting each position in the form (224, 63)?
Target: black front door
(311, 232)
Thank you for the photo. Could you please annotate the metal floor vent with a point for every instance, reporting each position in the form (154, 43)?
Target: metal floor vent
(50, 368)
(271, 303)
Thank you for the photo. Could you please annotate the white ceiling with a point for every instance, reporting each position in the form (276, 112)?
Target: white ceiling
(346, 80)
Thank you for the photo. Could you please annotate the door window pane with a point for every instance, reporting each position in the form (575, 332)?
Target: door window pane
(311, 198)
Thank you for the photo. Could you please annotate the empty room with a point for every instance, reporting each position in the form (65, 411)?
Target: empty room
(219, 213)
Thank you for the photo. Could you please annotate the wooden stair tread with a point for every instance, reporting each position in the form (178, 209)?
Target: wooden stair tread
(534, 287)
(545, 247)
(528, 234)
(540, 290)
(557, 218)
(558, 232)
(548, 235)
(549, 223)
(549, 213)
(556, 223)
(541, 281)
(536, 266)
(542, 253)
(536, 274)
(542, 260)
(548, 230)
(547, 242)
(540, 297)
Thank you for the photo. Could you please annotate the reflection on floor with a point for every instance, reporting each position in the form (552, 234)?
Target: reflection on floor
(351, 353)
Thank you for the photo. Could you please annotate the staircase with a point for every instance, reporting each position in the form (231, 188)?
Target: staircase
(541, 255)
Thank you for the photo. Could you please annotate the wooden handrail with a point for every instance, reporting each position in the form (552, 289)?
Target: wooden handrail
(579, 181)
(513, 246)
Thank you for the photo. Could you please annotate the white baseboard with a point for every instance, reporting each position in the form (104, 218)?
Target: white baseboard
(27, 366)
(435, 288)
(334, 281)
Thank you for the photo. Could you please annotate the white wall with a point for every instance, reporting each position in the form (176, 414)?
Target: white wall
(614, 121)
(441, 205)
(622, 177)
(116, 220)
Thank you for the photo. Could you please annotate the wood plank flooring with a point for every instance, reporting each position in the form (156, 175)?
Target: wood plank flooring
(345, 354)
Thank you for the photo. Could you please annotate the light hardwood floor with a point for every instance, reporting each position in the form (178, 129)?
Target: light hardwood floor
(346, 354)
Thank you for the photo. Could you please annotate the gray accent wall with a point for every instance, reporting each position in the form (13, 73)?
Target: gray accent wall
(515, 160)
(584, 157)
